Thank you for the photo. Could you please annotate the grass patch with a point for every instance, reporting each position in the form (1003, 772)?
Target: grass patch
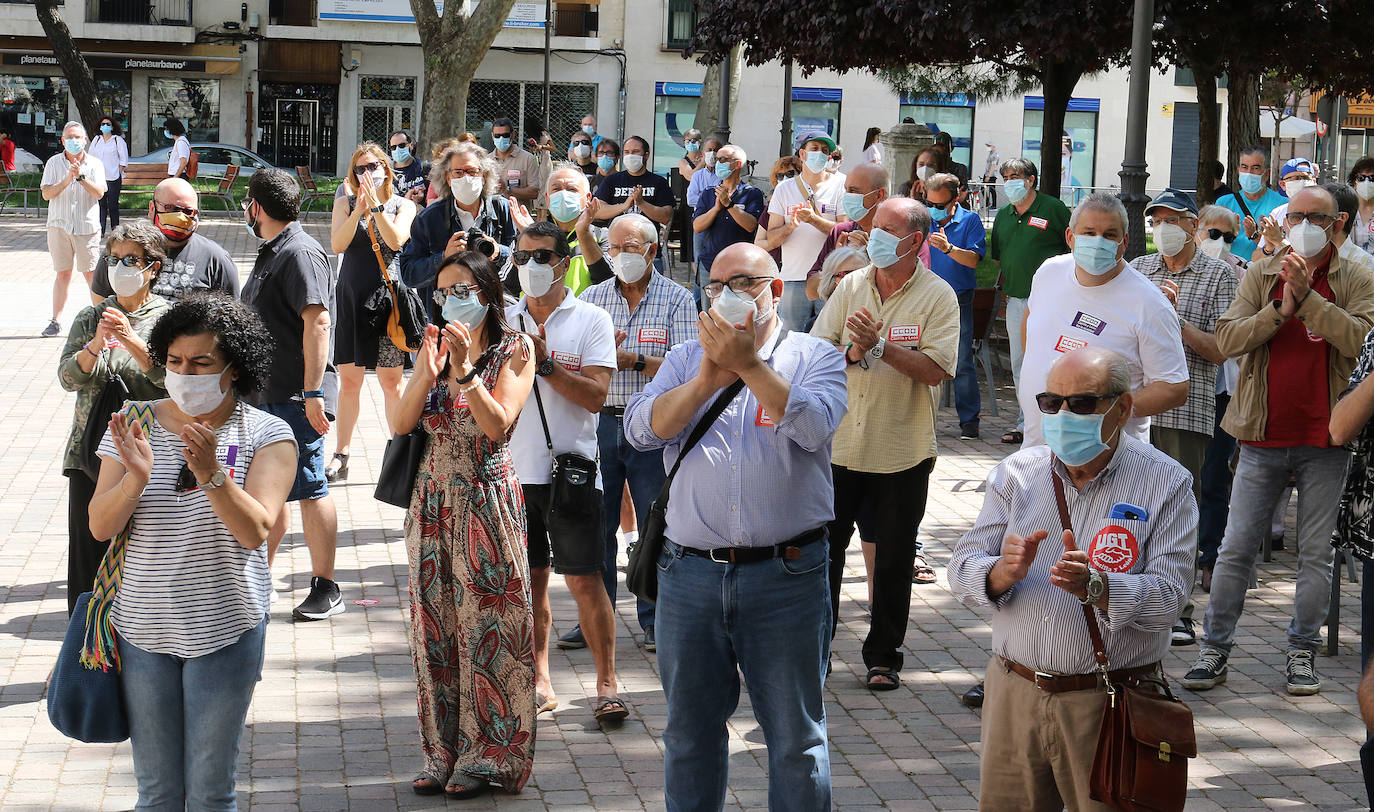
(136, 201)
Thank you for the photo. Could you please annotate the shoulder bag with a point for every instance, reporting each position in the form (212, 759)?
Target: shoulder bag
(1146, 738)
(572, 488)
(110, 400)
(405, 322)
(400, 466)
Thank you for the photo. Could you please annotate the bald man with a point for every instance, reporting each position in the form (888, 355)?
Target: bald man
(195, 262)
(1127, 551)
(742, 577)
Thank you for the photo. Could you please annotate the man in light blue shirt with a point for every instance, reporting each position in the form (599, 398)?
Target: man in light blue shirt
(958, 242)
(742, 580)
(703, 180)
(1253, 201)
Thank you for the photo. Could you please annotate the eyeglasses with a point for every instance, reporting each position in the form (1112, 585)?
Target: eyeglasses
(168, 208)
(130, 261)
(1172, 220)
(739, 284)
(186, 481)
(1218, 234)
(361, 169)
(459, 172)
(1078, 404)
(1364, 176)
(629, 247)
(459, 291)
(1317, 219)
(540, 255)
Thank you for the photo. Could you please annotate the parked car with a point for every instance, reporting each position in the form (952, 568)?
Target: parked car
(213, 159)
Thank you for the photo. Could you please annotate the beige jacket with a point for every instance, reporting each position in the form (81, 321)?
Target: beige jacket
(1245, 329)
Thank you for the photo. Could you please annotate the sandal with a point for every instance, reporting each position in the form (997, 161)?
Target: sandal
(882, 679)
(544, 703)
(431, 785)
(610, 709)
(333, 474)
(462, 792)
(1013, 437)
(922, 572)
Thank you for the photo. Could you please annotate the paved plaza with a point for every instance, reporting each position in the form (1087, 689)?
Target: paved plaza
(332, 725)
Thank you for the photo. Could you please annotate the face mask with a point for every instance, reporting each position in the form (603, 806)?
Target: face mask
(169, 135)
(127, 281)
(605, 163)
(400, 155)
(739, 308)
(692, 147)
(1016, 190)
(853, 205)
(1076, 439)
(465, 190)
(378, 178)
(106, 129)
(174, 225)
(588, 129)
(468, 312)
(536, 279)
(882, 248)
(1251, 183)
(583, 151)
(710, 156)
(723, 169)
(196, 394)
(629, 266)
(1096, 255)
(1365, 189)
(815, 160)
(1308, 240)
(565, 206)
(1292, 187)
(502, 142)
(634, 163)
(1170, 239)
(251, 223)
(938, 213)
(923, 172)
(1217, 249)
(73, 146)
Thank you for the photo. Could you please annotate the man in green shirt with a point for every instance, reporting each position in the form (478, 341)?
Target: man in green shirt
(1026, 233)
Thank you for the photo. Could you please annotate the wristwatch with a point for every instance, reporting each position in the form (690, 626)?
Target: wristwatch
(1096, 586)
(81, 177)
(217, 479)
(639, 363)
(876, 351)
(376, 209)
(545, 368)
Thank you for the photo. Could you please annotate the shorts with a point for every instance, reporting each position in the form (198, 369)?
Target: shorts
(73, 251)
(579, 547)
(310, 482)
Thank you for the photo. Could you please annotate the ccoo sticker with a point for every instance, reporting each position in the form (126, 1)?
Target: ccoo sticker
(366, 602)
(1114, 549)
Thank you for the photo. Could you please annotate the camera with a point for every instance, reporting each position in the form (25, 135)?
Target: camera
(479, 242)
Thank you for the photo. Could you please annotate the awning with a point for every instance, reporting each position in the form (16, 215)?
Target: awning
(1291, 127)
(36, 52)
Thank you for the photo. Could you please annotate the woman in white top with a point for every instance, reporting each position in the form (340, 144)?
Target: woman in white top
(198, 479)
(873, 151)
(180, 156)
(113, 151)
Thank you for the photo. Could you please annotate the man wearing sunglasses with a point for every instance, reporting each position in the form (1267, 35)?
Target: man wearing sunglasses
(1128, 557)
(195, 262)
(1298, 322)
(1200, 289)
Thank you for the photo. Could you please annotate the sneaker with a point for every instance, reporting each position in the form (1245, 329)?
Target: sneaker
(1183, 633)
(1302, 673)
(573, 639)
(52, 329)
(1208, 672)
(324, 601)
(968, 431)
(649, 643)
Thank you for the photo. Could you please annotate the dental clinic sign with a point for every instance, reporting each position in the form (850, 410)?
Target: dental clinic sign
(522, 15)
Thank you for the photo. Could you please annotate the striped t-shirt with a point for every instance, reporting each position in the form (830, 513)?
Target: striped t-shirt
(188, 588)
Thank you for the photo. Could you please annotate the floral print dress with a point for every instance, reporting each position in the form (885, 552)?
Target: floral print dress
(471, 619)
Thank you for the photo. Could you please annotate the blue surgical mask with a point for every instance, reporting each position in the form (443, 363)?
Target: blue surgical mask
(1076, 439)
(168, 134)
(815, 160)
(853, 205)
(73, 146)
(565, 206)
(502, 142)
(1096, 255)
(106, 129)
(1251, 183)
(467, 311)
(723, 169)
(588, 129)
(692, 147)
(400, 155)
(882, 248)
(1016, 190)
(605, 163)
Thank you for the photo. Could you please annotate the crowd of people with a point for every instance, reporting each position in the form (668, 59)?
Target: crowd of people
(784, 398)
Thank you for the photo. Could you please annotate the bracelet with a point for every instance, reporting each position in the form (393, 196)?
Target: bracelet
(87, 348)
(125, 493)
(312, 393)
(469, 387)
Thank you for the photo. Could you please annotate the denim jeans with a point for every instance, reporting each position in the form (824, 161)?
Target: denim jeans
(968, 401)
(771, 620)
(185, 720)
(1261, 477)
(621, 461)
(1215, 503)
(703, 268)
(797, 311)
(1016, 312)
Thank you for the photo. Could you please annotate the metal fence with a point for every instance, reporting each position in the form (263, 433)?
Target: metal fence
(523, 103)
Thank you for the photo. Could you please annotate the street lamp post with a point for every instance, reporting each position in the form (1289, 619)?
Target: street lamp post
(785, 140)
(1133, 172)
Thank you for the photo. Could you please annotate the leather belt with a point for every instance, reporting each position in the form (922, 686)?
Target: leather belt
(748, 555)
(1061, 683)
(613, 411)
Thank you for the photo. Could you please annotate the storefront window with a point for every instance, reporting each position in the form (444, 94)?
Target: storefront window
(115, 91)
(386, 104)
(1079, 149)
(816, 108)
(33, 109)
(675, 108)
(194, 101)
(952, 113)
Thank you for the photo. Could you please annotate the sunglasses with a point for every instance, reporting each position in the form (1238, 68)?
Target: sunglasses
(543, 256)
(130, 261)
(168, 208)
(186, 481)
(1364, 176)
(460, 291)
(1216, 233)
(1078, 404)
(364, 168)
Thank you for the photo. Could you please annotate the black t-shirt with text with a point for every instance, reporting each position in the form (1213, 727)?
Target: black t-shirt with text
(617, 187)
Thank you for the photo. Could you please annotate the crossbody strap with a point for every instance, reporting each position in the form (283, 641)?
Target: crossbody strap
(1099, 648)
(538, 401)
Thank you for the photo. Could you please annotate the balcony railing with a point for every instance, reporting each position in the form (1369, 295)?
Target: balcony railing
(139, 12)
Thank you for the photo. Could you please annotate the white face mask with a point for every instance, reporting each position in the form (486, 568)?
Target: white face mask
(1170, 239)
(583, 151)
(1365, 189)
(923, 172)
(536, 279)
(629, 266)
(127, 281)
(378, 178)
(1217, 249)
(740, 308)
(466, 189)
(710, 157)
(1292, 187)
(196, 395)
(634, 163)
(1308, 240)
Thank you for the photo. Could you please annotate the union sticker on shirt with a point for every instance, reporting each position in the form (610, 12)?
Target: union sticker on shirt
(653, 335)
(762, 419)
(1039, 222)
(1088, 323)
(1114, 549)
(572, 361)
(462, 401)
(902, 333)
(1066, 344)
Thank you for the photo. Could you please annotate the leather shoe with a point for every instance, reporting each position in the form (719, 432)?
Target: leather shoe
(973, 697)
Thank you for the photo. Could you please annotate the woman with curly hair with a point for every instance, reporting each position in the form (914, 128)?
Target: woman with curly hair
(471, 619)
(195, 483)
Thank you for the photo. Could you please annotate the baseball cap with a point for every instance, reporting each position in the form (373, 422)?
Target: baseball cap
(1173, 199)
(1296, 165)
(815, 135)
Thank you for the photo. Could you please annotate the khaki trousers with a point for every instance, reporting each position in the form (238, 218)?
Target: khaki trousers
(1037, 747)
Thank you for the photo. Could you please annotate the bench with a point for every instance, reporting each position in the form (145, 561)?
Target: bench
(8, 189)
(142, 177)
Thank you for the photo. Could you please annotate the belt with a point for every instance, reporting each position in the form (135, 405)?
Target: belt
(613, 411)
(749, 555)
(1060, 683)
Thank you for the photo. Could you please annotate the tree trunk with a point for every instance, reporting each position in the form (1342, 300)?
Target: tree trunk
(1058, 80)
(80, 79)
(445, 110)
(708, 104)
(1208, 132)
(1242, 116)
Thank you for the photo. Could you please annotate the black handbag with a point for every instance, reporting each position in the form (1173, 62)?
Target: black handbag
(641, 575)
(110, 400)
(400, 466)
(572, 487)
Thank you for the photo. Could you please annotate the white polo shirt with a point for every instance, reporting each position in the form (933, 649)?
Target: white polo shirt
(800, 248)
(579, 335)
(1128, 315)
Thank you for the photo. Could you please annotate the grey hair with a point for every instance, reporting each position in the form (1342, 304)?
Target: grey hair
(1255, 149)
(1024, 167)
(917, 216)
(570, 167)
(145, 235)
(833, 262)
(1118, 372)
(1105, 202)
(743, 158)
(438, 175)
(692, 134)
(76, 124)
(943, 180)
(1219, 214)
(648, 232)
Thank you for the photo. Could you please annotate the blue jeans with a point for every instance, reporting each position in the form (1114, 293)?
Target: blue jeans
(620, 462)
(968, 401)
(771, 619)
(797, 311)
(1261, 477)
(185, 720)
(703, 268)
(1215, 504)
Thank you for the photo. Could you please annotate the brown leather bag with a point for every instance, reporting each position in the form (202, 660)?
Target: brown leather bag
(405, 341)
(1146, 738)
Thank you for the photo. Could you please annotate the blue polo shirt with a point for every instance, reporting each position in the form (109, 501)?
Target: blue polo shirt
(1243, 247)
(965, 231)
(725, 232)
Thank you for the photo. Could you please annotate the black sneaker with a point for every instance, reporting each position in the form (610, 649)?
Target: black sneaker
(52, 329)
(649, 643)
(968, 431)
(573, 639)
(323, 602)
(1183, 633)
(1302, 673)
(1208, 672)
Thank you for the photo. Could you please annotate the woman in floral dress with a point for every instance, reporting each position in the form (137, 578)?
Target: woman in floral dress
(471, 622)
